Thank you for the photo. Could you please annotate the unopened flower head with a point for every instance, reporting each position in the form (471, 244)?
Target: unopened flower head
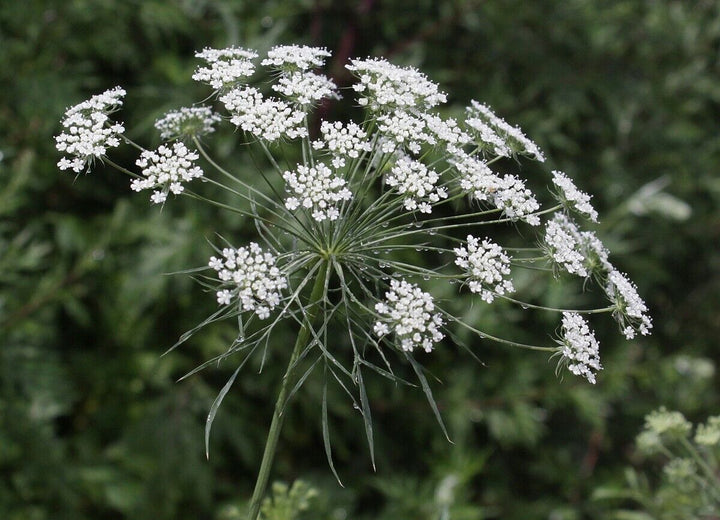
(165, 169)
(316, 189)
(249, 276)
(571, 196)
(511, 136)
(667, 424)
(342, 141)
(630, 309)
(290, 58)
(416, 183)
(409, 313)
(579, 349)
(88, 131)
(708, 434)
(187, 122)
(486, 266)
(266, 119)
(306, 89)
(385, 87)
(226, 68)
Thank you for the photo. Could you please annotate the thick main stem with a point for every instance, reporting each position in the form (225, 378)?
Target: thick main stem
(301, 342)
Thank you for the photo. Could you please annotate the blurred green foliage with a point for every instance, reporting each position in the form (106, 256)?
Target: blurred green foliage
(623, 95)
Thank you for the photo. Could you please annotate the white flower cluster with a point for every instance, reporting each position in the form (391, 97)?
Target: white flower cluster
(296, 57)
(578, 252)
(385, 86)
(187, 122)
(252, 277)
(408, 312)
(403, 131)
(486, 266)
(501, 136)
(316, 189)
(296, 81)
(578, 347)
(305, 88)
(507, 193)
(88, 131)
(417, 183)
(267, 119)
(569, 194)
(225, 66)
(563, 246)
(342, 141)
(165, 169)
(446, 131)
(631, 311)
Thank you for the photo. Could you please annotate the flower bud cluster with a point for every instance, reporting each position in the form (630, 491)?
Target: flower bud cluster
(579, 349)
(408, 312)
(486, 266)
(88, 131)
(317, 189)
(226, 67)
(250, 276)
(165, 169)
(187, 122)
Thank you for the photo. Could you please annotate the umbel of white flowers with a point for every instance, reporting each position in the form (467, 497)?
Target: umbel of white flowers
(362, 195)
(361, 223)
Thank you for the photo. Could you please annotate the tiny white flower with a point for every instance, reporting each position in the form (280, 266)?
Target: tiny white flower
(164, 169)
(486, 265)
(569, 193)
(251, 277)
(408, 312)
(88, 131)
(187, 122)
(579, 349)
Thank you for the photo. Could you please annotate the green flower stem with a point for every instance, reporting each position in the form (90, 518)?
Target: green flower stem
(714, 480)
(301, 343)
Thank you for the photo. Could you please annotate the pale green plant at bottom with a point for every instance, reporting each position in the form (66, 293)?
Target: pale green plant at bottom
(352, 222)
(688, 486)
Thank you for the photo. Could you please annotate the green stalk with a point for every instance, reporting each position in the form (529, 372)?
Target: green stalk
(301, 342)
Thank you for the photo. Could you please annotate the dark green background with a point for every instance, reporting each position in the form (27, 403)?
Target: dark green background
(622, 95)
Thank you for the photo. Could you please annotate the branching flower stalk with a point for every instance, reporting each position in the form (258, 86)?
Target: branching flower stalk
(358, 224)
